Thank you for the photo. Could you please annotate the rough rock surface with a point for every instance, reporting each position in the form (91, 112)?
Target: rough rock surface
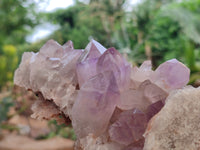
(177, 125)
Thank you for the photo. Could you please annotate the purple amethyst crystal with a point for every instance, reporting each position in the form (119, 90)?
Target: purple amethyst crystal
(95, 105)
(154, 109)
(129, 127)
(111, 59)
(90, 66)
(171, 75)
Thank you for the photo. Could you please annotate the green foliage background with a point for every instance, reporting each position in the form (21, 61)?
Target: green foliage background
(151, 29)
(17, 19)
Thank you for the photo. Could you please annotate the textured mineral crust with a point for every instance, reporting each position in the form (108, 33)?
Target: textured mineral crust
(108, 101)
(177, 125)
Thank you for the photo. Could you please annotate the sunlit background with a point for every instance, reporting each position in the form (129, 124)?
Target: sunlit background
(156, 30)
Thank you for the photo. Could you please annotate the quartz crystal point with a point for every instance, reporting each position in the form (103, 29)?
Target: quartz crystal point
(111, 59)
(108, 101)
(176, 126)
(95, 105)
(171, 75)
(86, 68)
(94, 50)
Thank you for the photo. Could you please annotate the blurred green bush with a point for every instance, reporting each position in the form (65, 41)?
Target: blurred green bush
(58, 130)
(8, 63)
(5, 104)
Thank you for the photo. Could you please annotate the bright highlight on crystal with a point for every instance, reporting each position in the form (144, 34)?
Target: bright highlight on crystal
(108, 101)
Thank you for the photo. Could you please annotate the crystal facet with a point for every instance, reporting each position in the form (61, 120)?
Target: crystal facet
(171, 75)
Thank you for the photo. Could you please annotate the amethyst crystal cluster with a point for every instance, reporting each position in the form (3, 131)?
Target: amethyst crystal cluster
(108, 101)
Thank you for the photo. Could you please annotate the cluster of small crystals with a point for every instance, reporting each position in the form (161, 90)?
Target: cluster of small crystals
(108, 101)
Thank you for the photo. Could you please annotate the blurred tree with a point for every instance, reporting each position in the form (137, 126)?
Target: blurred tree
(164, 30)
(103, 20)
(17, 19)
(77, 24)
(112, 16)
(158, 29)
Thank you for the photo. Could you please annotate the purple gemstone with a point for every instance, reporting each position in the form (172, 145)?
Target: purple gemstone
(95, 105)
(129, 127)
(171, 75)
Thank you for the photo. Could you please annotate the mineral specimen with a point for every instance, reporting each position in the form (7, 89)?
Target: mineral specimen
(108, 101)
